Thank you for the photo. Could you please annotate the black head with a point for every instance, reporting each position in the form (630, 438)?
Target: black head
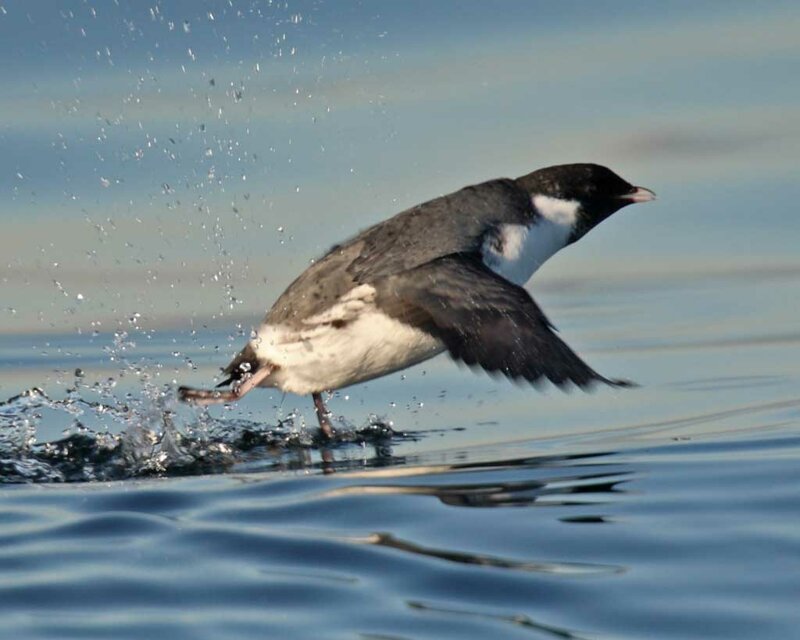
(598, 191)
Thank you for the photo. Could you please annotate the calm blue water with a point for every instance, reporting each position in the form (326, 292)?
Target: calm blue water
(677, 540)
(672, 541)
(168, 169)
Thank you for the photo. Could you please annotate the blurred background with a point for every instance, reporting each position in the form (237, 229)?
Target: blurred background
(167, 168)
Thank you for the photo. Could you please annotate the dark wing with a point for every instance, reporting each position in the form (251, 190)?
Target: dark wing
(484, 320)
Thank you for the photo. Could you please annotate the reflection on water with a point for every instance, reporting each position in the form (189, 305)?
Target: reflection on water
(566, 568)
(520, 620)
(562, 490)
(628, 544)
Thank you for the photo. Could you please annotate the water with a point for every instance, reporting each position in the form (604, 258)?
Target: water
(674, 540)
(168, 170)
(667, 511)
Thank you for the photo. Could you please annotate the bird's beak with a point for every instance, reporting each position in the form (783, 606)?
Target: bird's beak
(639, 194)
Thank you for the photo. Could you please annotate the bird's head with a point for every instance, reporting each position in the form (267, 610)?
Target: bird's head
(580, 195)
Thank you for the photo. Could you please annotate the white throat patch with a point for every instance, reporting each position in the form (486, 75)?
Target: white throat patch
(562, 213)
(518, 250)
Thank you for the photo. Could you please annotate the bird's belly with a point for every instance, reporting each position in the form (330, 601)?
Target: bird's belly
(326, 357)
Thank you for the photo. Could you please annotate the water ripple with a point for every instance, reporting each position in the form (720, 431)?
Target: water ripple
(376, 554)
(559, 568)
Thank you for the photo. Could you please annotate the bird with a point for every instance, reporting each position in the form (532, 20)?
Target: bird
(444, 275)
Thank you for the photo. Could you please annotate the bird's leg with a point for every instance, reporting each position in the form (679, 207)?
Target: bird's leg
(239, 388)
(322, 416)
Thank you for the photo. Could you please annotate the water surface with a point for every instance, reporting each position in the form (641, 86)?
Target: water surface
(168, 169)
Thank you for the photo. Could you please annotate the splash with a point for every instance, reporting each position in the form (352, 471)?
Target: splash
(133, 437)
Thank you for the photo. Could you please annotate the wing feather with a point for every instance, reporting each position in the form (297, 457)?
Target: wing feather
(485, 321)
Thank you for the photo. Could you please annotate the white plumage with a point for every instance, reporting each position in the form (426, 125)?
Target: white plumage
(367, 345)
(518, 250)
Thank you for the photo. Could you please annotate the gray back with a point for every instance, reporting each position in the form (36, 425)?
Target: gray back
(455, 223)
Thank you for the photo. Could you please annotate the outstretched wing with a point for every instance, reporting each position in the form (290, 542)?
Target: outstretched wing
(484, 320)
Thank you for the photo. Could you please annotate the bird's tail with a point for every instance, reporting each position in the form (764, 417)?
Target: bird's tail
(244, 362)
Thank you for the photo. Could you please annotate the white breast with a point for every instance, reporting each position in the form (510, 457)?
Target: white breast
(351, 342)
(519, 250)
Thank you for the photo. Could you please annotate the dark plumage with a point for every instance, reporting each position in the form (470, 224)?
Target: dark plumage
(496, 325)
